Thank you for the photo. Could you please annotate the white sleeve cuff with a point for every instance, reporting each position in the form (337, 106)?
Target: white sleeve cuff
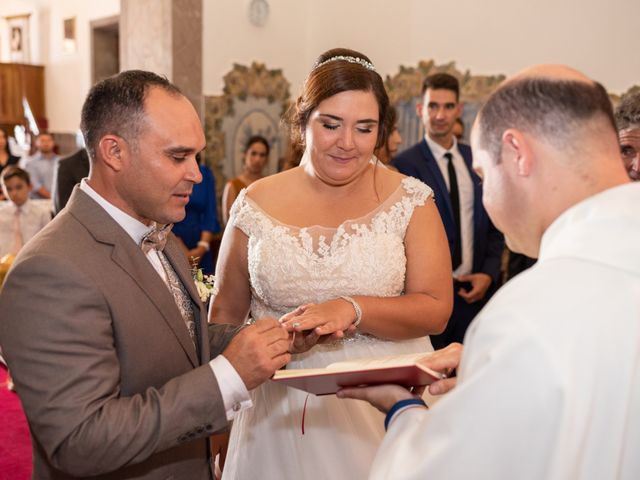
(235, 395)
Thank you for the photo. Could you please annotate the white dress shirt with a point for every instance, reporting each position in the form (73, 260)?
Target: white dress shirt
(234, 392)
(33, 217)
(465, 192)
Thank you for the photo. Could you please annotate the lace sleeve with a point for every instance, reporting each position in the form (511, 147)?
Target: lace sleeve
(418, 192)
(240, 214)
(415, 194)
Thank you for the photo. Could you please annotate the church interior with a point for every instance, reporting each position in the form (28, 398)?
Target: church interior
(243, 63)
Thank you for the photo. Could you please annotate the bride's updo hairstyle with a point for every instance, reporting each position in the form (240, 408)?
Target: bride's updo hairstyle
(335, 71)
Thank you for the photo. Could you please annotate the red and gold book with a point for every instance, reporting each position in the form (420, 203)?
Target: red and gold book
(406, 370)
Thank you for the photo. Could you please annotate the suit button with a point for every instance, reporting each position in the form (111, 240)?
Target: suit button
(199, 430)
(236, 407)
(209, 428)
(182, 438)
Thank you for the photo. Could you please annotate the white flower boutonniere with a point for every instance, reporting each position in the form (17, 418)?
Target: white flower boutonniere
(205, 284)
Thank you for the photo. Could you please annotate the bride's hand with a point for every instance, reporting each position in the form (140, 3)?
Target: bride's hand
(300, 341)
(328, 318)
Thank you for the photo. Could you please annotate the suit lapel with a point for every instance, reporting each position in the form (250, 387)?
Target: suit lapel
(133, 262)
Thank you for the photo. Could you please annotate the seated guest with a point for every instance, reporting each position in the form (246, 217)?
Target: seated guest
(201, 222)
(628, 122)
(256, 156)
(549, 382)
(6, 157)
(20, 218)
(41, 166)
(67, 174)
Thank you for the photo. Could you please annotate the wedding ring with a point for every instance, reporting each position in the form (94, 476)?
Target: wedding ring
(295, 324)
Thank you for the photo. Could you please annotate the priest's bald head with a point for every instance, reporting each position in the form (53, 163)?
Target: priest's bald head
(544, 141)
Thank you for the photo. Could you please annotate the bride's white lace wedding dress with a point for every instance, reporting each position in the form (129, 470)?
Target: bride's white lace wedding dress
(291, 266)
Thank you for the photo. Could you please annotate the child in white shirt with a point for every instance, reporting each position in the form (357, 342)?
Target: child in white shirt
(20, 218)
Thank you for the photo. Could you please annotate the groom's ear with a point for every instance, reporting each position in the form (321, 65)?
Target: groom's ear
(113, 150)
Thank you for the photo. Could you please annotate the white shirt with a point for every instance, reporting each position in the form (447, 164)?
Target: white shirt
(234, 392)
(465, 192)
(33, 217)
(549, 384)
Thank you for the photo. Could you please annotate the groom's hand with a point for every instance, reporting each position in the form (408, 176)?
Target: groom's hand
(258, 350)
(304, 340)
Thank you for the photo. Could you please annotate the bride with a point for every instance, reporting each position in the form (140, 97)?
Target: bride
(356, 251)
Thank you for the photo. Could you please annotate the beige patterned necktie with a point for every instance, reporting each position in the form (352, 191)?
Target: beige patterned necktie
(156, 239)
(18, 239)
(180, 295)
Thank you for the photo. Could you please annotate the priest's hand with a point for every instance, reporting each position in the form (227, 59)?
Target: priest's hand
(445, 360)
(383, 397)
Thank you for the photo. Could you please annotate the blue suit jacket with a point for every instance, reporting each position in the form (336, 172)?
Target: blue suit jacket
(488, 242)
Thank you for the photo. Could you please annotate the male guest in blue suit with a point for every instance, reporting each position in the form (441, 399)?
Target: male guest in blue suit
(445, 165)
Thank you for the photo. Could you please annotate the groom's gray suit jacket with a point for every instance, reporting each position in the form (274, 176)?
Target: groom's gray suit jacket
(101, 358)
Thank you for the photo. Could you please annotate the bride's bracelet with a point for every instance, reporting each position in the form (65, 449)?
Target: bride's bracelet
(356, 307)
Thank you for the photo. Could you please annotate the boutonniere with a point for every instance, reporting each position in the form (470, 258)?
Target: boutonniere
(205, 284)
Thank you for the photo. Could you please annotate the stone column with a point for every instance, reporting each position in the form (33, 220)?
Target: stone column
(165, 37)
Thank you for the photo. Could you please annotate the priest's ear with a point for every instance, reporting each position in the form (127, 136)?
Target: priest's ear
(113, 150)
(516, 151)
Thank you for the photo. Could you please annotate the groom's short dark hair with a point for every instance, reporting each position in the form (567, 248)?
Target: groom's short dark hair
(116, 106)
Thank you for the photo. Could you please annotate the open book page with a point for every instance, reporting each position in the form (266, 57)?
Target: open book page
(378, 362)
(360, 364)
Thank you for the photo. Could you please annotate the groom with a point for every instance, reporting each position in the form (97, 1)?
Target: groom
(100, 322)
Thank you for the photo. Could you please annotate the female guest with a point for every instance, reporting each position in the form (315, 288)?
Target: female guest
(6, 158)
(350, 243)
(387, 151)
(201, 221)
(256, 156)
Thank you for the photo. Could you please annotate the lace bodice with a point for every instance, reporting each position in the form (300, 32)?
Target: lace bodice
(290, 266)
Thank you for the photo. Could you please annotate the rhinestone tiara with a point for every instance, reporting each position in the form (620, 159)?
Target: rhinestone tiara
(350, 59)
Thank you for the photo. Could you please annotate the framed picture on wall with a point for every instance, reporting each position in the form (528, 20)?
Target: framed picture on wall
(18, 41)
(69, 32)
